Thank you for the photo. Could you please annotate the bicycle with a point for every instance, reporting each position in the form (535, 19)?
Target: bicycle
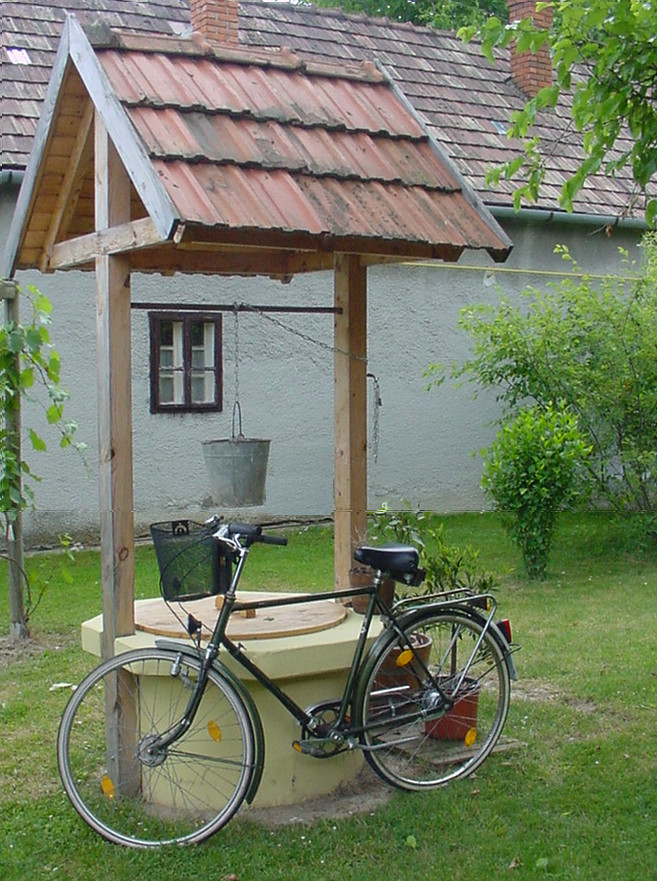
(426, 701)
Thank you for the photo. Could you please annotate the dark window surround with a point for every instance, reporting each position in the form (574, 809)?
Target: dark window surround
(155, 320)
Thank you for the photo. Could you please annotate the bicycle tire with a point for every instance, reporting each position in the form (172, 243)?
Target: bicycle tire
(181, 796)
(419, 736)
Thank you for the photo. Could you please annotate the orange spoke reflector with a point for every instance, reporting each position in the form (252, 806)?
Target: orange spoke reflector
(214, 731)
(470, 737)
(107, 785)
(404, 658)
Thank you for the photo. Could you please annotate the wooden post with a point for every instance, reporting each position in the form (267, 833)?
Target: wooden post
(350, 476)
(114, 399)
(113, 346)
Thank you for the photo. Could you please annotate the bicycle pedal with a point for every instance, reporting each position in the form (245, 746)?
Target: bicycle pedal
(317, 747)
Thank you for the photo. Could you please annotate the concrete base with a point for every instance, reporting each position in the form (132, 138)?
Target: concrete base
(310, 668)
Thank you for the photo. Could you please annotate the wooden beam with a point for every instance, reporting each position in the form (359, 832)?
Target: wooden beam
(112, 207)
(350, 476)
(114, 398)
(229, 261)
(123, 238)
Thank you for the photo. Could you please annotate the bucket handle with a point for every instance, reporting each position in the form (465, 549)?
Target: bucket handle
(237, 413)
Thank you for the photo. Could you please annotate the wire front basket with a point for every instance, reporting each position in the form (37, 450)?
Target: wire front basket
(190, 561)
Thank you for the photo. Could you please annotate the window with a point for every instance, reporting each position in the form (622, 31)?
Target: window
(186, 362)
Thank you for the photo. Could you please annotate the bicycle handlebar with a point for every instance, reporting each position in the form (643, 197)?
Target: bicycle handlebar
(254, 533)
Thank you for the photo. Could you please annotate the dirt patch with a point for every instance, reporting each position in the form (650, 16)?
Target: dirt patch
(546, 692)
(362, 795)
(14, 651)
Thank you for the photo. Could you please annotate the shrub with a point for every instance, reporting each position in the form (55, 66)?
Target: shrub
(532, 471)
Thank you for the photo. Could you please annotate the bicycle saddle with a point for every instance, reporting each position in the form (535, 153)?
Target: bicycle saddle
(398, 561)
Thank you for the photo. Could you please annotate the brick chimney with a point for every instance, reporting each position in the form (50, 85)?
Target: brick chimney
(531, 72)
(216, 20)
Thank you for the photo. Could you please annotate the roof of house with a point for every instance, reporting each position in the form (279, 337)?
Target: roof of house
(465, 102)
(232, 151)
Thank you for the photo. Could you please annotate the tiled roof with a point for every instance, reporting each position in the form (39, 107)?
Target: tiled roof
(230, 148)
(464, 100)
(36, 29)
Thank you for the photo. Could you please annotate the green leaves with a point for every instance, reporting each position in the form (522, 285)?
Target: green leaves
(605, 58)
(28, 361)
(590, 345)
(446, 14)
(531, 472)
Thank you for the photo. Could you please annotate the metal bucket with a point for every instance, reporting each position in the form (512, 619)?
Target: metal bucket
(237, 468)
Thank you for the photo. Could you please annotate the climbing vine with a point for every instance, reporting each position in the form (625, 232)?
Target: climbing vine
(28, 360)
(29, 371)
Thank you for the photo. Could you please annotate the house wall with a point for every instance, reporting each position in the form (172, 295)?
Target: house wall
(426, 439)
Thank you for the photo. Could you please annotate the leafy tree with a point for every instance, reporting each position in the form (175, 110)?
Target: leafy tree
(592, 346)
(605, 56)
(445, 14)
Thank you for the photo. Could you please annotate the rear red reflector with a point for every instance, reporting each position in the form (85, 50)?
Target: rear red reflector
(505, 626)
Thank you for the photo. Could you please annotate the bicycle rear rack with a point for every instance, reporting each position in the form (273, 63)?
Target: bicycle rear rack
(458, 597)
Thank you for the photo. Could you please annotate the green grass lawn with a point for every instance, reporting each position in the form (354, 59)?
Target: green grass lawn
(576, 799)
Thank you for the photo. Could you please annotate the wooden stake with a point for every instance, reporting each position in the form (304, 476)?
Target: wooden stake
(350, 476)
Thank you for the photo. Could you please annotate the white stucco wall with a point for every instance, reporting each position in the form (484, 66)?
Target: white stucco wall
(426, 439)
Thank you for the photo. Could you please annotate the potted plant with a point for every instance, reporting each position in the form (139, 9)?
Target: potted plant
(447, 567)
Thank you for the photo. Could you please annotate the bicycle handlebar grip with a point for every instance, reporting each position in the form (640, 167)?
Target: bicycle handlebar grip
(272, 540)
(254, 533)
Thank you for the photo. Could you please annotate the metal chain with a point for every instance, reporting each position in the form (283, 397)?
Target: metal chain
(237, 354)
(322, 345)
(377, 404)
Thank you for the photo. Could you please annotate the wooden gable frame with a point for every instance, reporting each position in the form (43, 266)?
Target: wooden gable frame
(92, 199)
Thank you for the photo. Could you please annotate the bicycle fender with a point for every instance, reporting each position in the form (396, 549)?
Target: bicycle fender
(249, 703)
(499, 638)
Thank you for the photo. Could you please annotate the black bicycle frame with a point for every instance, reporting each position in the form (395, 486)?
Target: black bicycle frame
(237, 652)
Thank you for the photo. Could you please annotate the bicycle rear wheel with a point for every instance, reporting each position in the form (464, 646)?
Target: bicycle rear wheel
(147, 798)
(435, 713)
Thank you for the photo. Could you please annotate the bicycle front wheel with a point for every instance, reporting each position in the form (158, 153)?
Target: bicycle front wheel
(433, 704)
(137, 795)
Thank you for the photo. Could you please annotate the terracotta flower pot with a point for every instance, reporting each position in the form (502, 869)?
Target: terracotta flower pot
(460, 722)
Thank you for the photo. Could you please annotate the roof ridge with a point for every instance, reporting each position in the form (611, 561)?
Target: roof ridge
(101, 36)
(336, 12)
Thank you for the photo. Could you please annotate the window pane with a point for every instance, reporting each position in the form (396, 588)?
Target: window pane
(166, 333)
(166, 390)
(196, 333)
(171, 363)
(202, 362)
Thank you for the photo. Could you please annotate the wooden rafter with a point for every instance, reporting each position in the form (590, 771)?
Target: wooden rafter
(80, 160)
